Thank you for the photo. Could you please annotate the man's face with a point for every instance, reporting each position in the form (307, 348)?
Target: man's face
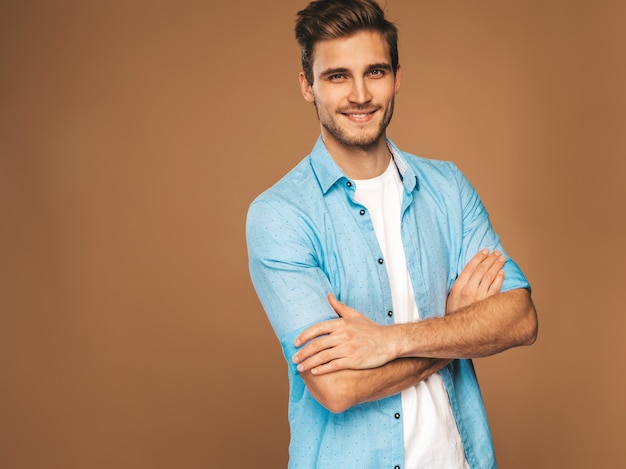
(353, 90)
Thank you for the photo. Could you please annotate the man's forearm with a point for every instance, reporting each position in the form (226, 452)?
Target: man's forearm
(343, 389)
(481, 329)
(354, 342)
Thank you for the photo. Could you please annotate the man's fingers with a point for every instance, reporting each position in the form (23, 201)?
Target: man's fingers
(320, 342)
(307, 361)
(315, 347)
(496, 285)
(335, 365)
(481, 277)
(468, 270)
(487, 272)
(316, 330)
(323, 351)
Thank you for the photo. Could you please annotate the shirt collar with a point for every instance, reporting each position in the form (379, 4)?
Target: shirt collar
(328, 173)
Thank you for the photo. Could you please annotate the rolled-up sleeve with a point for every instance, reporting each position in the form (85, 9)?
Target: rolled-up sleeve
(285, 271)
(478, 233)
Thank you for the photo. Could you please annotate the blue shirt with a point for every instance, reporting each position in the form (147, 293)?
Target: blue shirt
(307, 237)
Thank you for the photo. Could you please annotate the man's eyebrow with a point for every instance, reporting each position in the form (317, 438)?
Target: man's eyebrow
(333, 71)
(382, 66)
(378, 66)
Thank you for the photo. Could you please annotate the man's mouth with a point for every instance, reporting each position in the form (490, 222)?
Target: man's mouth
(360, 115)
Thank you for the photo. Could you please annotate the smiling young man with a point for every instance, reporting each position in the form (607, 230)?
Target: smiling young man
(379, 271)
(354, 99)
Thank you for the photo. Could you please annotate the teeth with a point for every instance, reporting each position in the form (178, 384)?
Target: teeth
(358, 115)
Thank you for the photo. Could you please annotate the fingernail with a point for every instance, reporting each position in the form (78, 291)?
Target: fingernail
(295, 359)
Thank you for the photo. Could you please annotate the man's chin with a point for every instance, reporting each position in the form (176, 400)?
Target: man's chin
(362, 141)
(355, 138)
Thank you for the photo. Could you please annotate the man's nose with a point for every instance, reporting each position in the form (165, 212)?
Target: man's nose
(360, 92)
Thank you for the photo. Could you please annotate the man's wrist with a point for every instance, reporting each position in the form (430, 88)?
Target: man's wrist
(399, 341)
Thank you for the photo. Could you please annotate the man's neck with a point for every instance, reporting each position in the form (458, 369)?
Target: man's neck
(360, 162)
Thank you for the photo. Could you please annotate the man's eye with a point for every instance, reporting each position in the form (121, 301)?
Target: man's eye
(336, 76)
(376, 72)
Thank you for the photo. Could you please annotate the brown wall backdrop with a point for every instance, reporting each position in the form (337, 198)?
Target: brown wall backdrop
(133, 136)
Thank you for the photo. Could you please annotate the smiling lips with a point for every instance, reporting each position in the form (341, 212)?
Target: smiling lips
(360, 116)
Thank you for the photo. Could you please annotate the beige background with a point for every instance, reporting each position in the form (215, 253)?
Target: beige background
(133, 136)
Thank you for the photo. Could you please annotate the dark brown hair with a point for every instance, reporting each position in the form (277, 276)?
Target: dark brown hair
(332, 19)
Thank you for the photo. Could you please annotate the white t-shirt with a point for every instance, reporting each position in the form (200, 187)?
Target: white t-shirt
(431, 437)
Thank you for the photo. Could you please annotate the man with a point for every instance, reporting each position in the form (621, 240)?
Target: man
(379, 271)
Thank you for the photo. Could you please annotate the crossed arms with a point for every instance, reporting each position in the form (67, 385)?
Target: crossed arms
(350, 360)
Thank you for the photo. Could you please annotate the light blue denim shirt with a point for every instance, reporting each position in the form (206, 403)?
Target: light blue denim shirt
(307, 237)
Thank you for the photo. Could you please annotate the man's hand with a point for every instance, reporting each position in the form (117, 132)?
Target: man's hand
(351, 342)
(481, 278)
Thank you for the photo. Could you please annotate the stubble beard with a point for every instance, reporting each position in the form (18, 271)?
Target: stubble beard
(361, 140)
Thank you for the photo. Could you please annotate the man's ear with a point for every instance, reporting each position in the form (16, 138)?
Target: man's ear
(306, 88)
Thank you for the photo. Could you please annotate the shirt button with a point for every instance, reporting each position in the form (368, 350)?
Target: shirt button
(349, 184)
(389, 313)
(396, 467)
(397, 415)
(380, 261)
(362, 212)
